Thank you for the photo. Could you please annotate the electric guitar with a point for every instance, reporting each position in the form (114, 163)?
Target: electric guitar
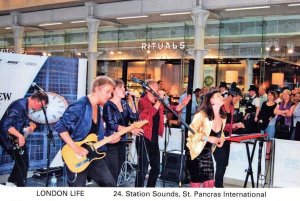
(78, 163)
(14, 140)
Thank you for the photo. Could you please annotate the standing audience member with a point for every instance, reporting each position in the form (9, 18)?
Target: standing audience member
(284, 119)
(263, 97)
(221, 154)
(252, 110)
(223, 89)
(194, 105)
(266, 116)
(277, 97)
(147, 145)
(208, 125)
(117, 114)
(296, 118)
(197, 93)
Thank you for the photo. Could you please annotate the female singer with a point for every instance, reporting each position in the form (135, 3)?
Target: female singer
(208, 125)
(117, 113)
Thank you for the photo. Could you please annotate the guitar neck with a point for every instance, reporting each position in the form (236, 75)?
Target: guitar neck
(109, 138)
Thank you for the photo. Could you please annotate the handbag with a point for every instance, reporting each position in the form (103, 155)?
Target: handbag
(282, 131)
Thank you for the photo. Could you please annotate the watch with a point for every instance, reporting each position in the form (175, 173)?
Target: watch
(54, 110)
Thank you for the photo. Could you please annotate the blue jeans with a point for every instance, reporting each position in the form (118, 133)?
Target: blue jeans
(271, 128)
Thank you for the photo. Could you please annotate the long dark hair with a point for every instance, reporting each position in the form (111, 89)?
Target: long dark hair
(207, 106)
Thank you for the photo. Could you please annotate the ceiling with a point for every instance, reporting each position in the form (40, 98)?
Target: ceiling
(275, 10)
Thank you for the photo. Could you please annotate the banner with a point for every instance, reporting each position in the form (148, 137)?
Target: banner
(17, 72)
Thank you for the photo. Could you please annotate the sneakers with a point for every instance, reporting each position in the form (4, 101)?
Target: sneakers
(10, 184)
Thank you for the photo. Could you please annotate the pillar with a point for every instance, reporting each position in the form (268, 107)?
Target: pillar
(199, 17)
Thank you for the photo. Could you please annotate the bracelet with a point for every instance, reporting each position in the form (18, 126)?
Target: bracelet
(205, 138)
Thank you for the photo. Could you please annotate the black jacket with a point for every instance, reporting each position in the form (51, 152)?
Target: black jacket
(113, 117)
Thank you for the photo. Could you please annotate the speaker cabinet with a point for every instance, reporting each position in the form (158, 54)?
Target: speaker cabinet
(172, 170)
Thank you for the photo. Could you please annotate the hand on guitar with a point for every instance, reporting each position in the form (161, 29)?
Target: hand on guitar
(137, 131)
(115, 138)
(80, 151)
(21, 140)
(28, 130)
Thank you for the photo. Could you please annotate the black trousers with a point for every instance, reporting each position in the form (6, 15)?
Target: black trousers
(115, 157)
(97, 171)
(221, 156)
(18, 176)
(150, 149)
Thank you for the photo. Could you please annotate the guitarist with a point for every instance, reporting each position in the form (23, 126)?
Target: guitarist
(79, 120)
(14, 124)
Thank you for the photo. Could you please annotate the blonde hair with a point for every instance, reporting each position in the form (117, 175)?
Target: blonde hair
(287, 91)
(102, 80)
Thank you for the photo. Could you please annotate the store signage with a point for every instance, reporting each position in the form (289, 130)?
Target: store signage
(163, 45)
(6, 50)
(209, 76)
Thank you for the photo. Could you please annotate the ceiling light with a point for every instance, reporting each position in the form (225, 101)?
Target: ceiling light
(7, 28)
(79, 21)
(247, 8)
(169, 14)
(294, 4)
(131, 17)
(50, 24)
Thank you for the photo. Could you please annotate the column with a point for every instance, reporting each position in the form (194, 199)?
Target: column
(18, 38)
(18, 31)
(249, 73)
(199, 17)
(92, 54)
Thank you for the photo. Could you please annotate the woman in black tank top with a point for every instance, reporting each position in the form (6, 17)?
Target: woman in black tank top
(211, 120)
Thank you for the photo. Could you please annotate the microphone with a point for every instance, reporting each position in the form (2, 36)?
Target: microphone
(128, 93)
(141, 82)
(37, 87)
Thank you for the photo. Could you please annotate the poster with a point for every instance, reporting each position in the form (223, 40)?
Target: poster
(209, 76)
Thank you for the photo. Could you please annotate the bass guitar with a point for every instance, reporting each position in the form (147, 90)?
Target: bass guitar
(78, 163)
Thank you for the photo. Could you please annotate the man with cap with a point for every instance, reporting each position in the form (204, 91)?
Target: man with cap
(194, 105)
(252, 110)
(223, 89)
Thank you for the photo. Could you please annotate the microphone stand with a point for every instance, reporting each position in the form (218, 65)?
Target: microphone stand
(146, 87)
(167, 128)
(49, 140)
(138, 138)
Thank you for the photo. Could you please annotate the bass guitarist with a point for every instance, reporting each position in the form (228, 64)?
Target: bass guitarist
(81, 119)
(13, 125)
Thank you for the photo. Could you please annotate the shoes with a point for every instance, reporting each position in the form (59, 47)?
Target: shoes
(10, 184)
